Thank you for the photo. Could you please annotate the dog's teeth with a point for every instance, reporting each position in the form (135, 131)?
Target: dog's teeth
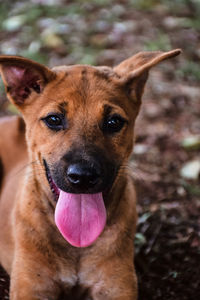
(51, 184)
(53, 191)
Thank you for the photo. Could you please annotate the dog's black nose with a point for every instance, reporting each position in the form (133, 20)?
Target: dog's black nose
(83, 177)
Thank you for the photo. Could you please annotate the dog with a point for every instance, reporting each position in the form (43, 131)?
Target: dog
(67, 204)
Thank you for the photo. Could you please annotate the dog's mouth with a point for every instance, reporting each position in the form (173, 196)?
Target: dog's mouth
(80, 218)
(54, 189)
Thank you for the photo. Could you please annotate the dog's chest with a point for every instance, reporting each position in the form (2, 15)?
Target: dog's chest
(77, 292)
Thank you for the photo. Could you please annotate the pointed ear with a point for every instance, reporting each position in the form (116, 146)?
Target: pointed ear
(23, 77)
(134, 70)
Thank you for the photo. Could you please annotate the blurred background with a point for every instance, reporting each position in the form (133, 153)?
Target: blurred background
(166, 158)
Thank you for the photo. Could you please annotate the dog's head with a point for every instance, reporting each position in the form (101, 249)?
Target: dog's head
(79, 123)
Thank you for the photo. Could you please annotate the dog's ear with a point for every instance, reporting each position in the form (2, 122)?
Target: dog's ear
(134, 70)
(22, 77)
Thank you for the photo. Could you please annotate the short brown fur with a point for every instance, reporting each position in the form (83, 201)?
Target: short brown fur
(42, 265)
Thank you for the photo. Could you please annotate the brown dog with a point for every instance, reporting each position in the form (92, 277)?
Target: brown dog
(67, 205)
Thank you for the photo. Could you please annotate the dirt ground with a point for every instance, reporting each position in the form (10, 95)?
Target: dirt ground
(165, 160)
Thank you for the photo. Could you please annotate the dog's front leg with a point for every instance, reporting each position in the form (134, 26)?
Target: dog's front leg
(117, 291)
(32, 280)
(114, 280)
(24, 288)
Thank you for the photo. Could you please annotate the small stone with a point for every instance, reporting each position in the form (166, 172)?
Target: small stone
(52, 40)
(14, 23)
(181, 191)
(152, 111)
(191, 170)
(191, 142)
(171, 22)
(140, 149)
(34, 46)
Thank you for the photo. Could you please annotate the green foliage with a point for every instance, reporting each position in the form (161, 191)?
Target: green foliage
(176, 6)
(143, 4)
(139, 241)
(96, 2)
(162, 42)
(190, 71)
(12, 109)
(2, 90)
(3, 12)
(37, 56)
(192, 189)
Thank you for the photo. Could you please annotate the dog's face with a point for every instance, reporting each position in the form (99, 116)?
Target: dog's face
(82, 129)
(79, 125)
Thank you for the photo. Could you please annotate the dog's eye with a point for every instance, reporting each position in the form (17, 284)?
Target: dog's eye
(113, 124)
(54, 122)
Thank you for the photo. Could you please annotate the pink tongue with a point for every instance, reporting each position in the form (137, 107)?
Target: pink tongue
(80, 217)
